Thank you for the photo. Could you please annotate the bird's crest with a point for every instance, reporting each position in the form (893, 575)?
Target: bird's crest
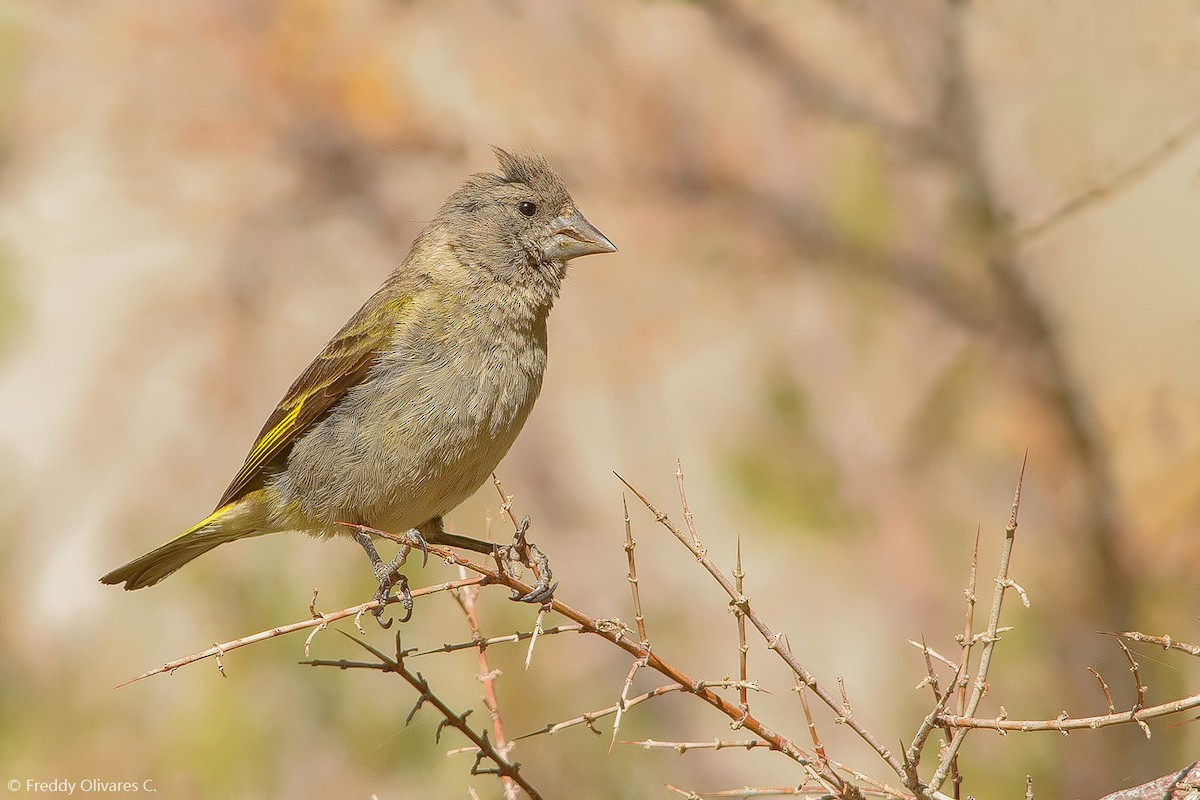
(534, 171)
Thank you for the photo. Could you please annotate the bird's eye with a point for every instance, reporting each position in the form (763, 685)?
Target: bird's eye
(527, 208)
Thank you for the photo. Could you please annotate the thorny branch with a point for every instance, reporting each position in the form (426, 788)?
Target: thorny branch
(989, 646)
(506, 770)
(774, 640)
(826, 775)
(465, 597)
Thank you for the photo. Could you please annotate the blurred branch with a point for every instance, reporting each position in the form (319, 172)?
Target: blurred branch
(807, 84)
(1006, 309)
(812, 232)
(1051, 372)
(1124, 178)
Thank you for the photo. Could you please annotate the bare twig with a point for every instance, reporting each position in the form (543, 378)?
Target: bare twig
(1139, 687)
(1063, 724)
(968, 639)
(502, 768)
(989, 646)
(318, 621)
(1165, 642)
(590, 718)
(715, 744)
(818, 747)
(538, 630)
(1104, 688)
(588, 624)
(929, 652)
(505, 502)
(519, 636)
(622, 701)
(774, 640)
(465, 597)
(743, 649)
(630, 543)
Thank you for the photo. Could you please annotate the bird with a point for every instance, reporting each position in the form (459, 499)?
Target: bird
(412, 404)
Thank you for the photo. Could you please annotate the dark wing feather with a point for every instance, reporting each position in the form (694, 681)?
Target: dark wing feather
(342, 365)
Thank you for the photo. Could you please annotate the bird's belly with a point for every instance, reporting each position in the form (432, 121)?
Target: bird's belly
(410, 448)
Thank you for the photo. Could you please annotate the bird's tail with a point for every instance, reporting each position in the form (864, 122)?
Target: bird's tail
(227, 523)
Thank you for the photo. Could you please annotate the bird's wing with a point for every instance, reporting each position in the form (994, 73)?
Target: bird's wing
(342, 365)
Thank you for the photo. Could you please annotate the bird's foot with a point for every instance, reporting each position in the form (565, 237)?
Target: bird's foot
(521, 551)
(389, 574)
(384, 596)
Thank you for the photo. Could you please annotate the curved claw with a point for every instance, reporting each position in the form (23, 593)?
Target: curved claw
(382, 597)
(538, 594)
(406, 599)
(424, 547)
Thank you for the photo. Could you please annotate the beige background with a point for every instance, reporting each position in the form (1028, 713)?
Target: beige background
(195, 195)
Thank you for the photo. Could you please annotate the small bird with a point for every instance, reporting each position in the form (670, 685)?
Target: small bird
(413, 403)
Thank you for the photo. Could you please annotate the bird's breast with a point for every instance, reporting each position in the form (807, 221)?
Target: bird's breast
(420, 435)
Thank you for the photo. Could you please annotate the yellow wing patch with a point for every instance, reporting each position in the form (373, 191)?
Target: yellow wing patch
(344, 363)
(269, 444)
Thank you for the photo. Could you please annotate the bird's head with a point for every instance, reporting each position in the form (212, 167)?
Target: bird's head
(521, 223)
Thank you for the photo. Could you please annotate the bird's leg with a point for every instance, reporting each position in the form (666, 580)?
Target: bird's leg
(519, 550)
(527, 553)
(389, 574)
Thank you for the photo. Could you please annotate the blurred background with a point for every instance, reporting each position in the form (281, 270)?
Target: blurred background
(870, 254)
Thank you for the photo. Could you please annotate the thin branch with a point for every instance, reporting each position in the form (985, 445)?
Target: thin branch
(1064, 724)
(929, 652)
(774, 640)
(630, 543)
(601, 628)
(715, 744)
(519, 636)
(320, 620)
(1139, 687)
(505, 502)
(538, 630)
(1165, 642)
(968, 638)
(818, 746)
(989, 646)
(744, 649)
(622, 702)
(487, 676)
(1124, 178)
(590, 717)
(484, 748)
(881, 789)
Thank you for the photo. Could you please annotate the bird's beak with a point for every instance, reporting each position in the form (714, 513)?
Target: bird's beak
(571, 235)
